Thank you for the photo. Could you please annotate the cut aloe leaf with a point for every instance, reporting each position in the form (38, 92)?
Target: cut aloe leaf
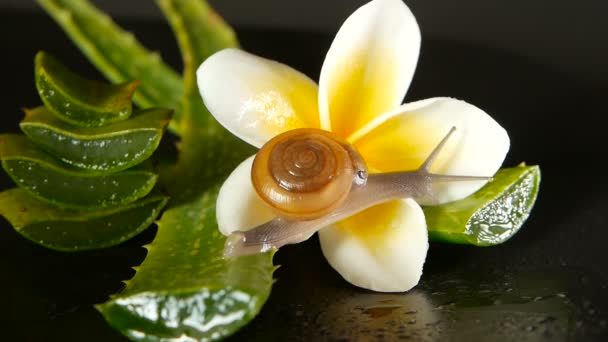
(79, 101)
(110, 148)
(72, 230)
(43, 177)
(185, 289)
(491, 215)
(118, 55)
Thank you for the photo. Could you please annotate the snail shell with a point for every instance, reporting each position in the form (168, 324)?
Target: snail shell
(306, 173)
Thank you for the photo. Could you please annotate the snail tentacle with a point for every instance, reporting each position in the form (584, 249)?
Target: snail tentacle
(375, 189)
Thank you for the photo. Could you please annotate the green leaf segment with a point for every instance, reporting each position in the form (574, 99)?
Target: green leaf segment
(45, 178)
(79, 101)
(110, 148)
(490, 216)
(75, 230)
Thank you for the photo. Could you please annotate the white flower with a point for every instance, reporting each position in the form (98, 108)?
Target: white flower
(364, 78)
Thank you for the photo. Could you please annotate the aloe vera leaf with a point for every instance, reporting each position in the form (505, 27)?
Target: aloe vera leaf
(43, 177)
(72, 230)
(185, 289)
(111, 148)
(490, 216)
(118, 55)
(80, 101)
(200, 32)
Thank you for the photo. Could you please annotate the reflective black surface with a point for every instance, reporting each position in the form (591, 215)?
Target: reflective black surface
(546, 284)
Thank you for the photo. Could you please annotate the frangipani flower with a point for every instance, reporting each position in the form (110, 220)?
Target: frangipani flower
(364, 78)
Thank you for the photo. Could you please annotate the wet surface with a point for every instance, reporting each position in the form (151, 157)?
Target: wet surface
(548, 283)
(472, 300)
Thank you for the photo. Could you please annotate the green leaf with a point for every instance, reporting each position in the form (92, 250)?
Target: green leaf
(185, 289)
(110, 148)
(72, 230)
(491, 215)
(200, 32)
(118, 55)
(43, 177)
(80, 101)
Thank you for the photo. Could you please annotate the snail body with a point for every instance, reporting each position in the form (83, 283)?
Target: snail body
(312, 179)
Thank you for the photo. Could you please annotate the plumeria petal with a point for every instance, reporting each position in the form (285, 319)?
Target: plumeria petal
(382, 248)
(256, 98)
(402, 139)
(369, 66)
(238, 205)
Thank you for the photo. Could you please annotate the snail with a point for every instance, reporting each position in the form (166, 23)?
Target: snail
(311, 178)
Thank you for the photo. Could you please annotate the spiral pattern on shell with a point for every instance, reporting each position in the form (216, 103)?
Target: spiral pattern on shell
(306, 173)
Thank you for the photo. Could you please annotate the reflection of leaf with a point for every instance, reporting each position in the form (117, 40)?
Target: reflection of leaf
(490, 216)
(73, 230)
(109, 148)
(80, 101)
(118, 55)
(185, 288)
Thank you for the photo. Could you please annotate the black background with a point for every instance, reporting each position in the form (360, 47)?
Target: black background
(547, 283)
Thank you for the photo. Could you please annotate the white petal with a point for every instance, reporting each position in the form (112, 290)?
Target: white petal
(369, 66)
(401, 140)
(256, 98)
(382, 248)
(238, 205)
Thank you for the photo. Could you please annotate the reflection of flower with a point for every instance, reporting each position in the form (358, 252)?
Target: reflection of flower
(363, 80)
(388, 313)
